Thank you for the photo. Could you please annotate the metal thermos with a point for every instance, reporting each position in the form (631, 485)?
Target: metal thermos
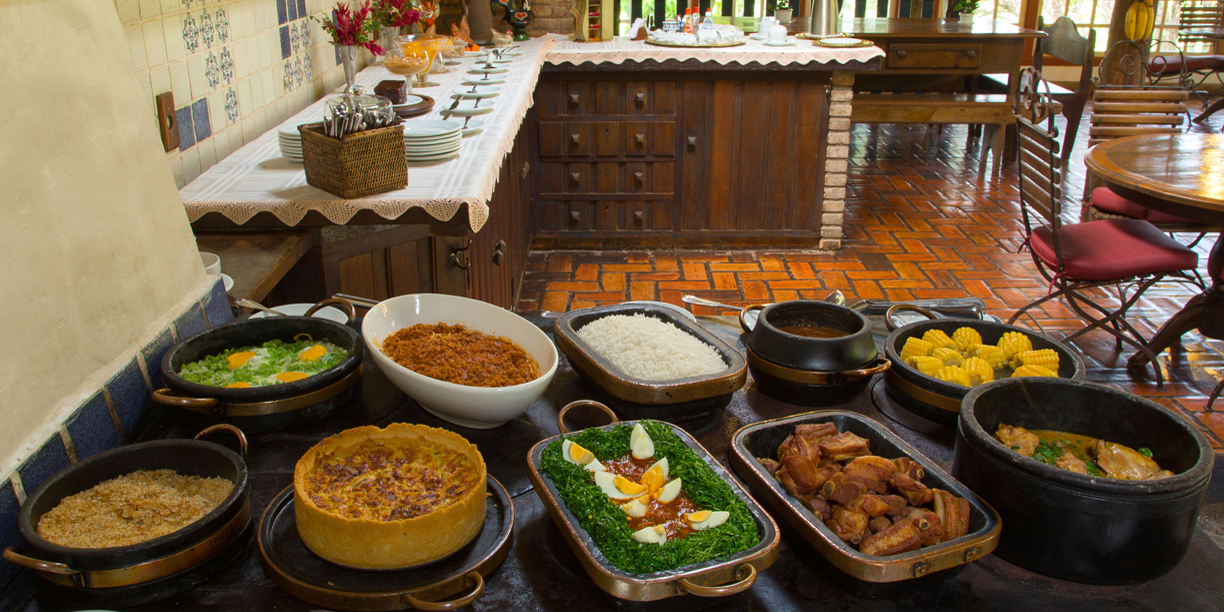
(825, 18)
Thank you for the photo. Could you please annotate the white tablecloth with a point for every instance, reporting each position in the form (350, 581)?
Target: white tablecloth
(256, 178)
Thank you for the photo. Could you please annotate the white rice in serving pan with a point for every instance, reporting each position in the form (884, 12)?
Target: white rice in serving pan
(649, 349)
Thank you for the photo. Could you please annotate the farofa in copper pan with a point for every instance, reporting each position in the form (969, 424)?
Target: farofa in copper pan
(454, 354)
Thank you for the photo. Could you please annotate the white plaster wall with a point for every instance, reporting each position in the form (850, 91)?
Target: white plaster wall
(95, 248)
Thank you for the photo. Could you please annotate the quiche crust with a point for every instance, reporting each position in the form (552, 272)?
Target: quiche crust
(365, 543)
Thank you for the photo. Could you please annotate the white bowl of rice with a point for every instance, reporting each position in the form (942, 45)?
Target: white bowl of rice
(477, 407)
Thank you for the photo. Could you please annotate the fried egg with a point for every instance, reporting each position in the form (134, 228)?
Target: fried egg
(237, 360)
(650, 535)
(286, 377)
(637, 508)
(640, 443)
(618, 487)
(238, 385)
(706, 519)
(312, 353)
(669, 492)
(576, 454)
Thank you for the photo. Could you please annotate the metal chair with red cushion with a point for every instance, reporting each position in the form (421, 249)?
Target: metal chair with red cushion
(1079, 258)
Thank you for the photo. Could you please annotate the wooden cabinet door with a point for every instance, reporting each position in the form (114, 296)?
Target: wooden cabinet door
(579, 100)
(607, 97)
(607, 138)
(577, 178)
(607, 178)
(553, 139)
(637, 138)
(637, 178)
(662, 138)
(577, 140)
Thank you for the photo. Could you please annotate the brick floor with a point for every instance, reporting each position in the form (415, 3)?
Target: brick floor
(922, 224)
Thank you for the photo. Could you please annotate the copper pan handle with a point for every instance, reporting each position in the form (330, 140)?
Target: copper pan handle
(880, 365)
(242, 441)
(435, 606)
(59, 569)
(727, 589)
(344, 305)
(166, 397)
(579, 404)
(895, 308)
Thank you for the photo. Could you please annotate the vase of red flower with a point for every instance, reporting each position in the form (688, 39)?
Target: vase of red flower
(393, 16)
(349, 29)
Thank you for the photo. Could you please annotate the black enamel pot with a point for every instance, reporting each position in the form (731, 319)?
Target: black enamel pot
(1071, 526)
(939, 400)
(268, 408)
(126, 569)
(853, 351)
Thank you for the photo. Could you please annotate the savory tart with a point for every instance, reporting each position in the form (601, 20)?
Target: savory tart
(391, 498)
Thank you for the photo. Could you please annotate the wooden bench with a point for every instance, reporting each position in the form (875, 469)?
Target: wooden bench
(994, 110)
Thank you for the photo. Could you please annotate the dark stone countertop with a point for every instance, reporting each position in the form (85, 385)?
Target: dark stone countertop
(542, 573)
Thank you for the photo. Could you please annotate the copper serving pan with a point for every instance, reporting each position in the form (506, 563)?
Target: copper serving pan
(762, 440)
(137, 564)
(713, 578)
(676, 400)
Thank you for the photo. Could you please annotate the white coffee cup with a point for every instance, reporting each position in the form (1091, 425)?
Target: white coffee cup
(777, 34)
(212, 263)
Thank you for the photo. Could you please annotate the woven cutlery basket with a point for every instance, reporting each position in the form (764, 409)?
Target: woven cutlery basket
(355, 165)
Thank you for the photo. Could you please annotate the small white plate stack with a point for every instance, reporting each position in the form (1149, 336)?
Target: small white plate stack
(290, 139)
(432, 140)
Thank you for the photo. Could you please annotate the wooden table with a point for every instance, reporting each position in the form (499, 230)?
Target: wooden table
(930, 69)
(1182, 174)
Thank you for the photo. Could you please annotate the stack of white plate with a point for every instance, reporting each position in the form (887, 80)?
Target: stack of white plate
(290, 138)
(431, 140)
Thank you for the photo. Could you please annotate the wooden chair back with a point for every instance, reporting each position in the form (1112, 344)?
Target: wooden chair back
(1064, 42)
(1199, 15)
(902, 8)
(1040, 158)
(1118, 112)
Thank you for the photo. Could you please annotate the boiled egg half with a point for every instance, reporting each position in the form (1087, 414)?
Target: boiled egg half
(618, 487)
(637, 508)
(655, 477)
(650, 535)
(669, 492)
(705, 519)
(640, 443)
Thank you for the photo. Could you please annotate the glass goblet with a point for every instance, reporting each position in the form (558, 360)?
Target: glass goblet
(406, 60)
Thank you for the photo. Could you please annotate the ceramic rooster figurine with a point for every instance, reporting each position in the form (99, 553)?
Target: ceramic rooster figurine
(517, 13)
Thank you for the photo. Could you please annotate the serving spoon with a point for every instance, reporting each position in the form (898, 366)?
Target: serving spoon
(833, 298)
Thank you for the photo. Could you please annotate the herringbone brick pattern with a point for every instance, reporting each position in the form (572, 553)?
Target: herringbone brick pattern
(922, 224)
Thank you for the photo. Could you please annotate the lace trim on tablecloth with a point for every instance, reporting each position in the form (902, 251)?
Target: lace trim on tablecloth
(754, 51)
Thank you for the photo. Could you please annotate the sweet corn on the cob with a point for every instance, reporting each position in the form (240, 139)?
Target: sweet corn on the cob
(993, 355)
(966, 337)
(915, 347)
(948, 356)
(979, 371)
(1015, 342)
(1033, 370)
(939, 339)
(953, 374)
(926, 365)
(1046, 358)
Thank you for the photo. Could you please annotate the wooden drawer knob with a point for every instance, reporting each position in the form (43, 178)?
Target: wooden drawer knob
(692, 143)
(575, 139)
(639, 98)
(574, 216)
(971, 53)
(902, 53)
(639, 216)
(638, 178)
(574, 178)
(640, 139)
(573, 99)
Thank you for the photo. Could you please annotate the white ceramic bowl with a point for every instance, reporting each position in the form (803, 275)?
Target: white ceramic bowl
(475, 407)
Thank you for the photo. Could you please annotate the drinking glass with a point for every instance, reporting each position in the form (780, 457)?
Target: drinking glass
(432, 43)
(406, 60)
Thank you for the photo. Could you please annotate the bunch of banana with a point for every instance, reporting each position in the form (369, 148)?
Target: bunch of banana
(1139, 20)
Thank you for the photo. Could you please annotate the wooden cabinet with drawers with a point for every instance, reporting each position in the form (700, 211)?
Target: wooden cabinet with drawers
(679, 158)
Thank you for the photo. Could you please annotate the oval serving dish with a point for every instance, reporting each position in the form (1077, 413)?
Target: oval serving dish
(1073, 526)
(711, 578)
(940, 401)
(150, 570)
(680, 400)
(868, 572)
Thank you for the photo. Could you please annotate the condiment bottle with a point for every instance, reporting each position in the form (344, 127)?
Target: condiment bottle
(688, 20)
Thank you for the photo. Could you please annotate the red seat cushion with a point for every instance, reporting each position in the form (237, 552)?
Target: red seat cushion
(1105, 200)
(1168, 64)
(1112, 248)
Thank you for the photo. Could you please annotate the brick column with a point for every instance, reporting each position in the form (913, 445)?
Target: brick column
(837, 149)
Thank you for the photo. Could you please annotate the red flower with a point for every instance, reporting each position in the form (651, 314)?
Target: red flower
(352, 27)
(396, 13)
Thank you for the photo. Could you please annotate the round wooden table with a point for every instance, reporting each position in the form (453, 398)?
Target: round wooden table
(1181, 174)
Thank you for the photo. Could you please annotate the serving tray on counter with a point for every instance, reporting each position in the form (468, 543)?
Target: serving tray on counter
(306, 576)
(660, 43)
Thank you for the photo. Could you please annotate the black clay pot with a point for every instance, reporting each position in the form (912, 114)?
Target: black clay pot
(258, 409)
(854, 351)
(1072, 526)
(174, 554)
(939, 400)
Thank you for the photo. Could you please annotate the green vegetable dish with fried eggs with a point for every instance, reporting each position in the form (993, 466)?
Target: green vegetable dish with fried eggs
(273, 363)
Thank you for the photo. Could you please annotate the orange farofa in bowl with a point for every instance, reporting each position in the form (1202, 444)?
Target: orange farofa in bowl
(391, 498)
